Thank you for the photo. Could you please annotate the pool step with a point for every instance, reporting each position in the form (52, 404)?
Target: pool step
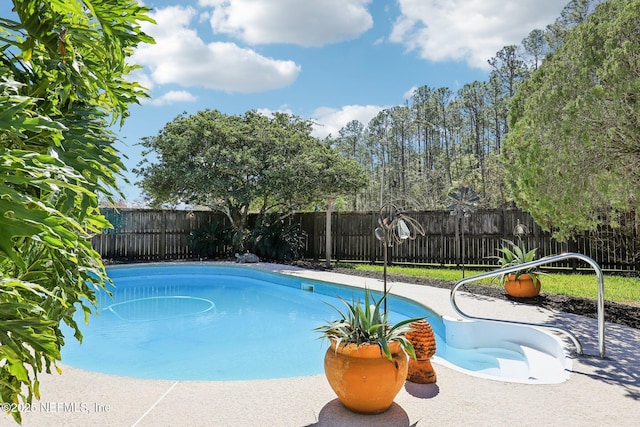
(518, 363)
(545, 367)
(528, 364)
(515, 368)
(505, 352)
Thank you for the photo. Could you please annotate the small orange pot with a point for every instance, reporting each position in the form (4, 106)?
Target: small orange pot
(364, 379)
(525, 287)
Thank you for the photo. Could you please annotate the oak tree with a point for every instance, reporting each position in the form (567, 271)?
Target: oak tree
(240, 164)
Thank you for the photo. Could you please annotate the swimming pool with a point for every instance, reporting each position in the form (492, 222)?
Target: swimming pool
(211, 322)
(227, 322)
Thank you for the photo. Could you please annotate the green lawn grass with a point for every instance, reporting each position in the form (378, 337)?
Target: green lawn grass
(619, 289)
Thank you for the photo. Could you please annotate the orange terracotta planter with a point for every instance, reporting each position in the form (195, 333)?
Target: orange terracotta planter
(364, 379)
(525, 287)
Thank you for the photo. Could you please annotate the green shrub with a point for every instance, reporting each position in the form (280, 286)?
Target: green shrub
(212, 240)
(274, 240)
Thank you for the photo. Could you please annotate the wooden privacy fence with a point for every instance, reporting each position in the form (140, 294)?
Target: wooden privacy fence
(147, 235)
(443, 243)
(150, 235)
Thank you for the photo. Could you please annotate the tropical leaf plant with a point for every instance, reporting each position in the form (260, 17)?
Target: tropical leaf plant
(63, 67)
(211, 239)
(275, 240)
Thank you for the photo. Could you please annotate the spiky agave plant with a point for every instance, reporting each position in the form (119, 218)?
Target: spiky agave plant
(512, 254)
(366, 323)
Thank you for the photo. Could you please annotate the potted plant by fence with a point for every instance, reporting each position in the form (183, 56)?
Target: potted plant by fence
(523, 283)
(367, 362)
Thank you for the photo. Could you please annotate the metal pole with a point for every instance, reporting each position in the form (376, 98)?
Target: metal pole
(328, 237)
(384, 274)
(462, 252)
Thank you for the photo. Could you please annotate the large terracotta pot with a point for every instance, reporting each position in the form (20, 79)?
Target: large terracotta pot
(364, 379)
(525, 287)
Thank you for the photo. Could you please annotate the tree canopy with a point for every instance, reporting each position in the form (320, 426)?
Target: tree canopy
(235, 164)
(573, 149)
(63, 67)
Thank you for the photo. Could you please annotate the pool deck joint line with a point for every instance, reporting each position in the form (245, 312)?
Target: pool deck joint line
(160, 399)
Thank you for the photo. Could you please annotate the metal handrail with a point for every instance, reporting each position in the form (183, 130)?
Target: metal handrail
(537, 263)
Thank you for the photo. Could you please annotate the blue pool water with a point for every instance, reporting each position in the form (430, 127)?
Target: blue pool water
(207, 322)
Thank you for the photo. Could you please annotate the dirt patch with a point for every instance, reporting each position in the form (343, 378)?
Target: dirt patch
(623, 314)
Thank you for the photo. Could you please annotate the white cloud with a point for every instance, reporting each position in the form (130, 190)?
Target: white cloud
(138, 75)
(304, 23)
(171, 97)
(470, 30)
(269, 113)
(181, 57)
(409, 93)
(328, 121)
(331, 120)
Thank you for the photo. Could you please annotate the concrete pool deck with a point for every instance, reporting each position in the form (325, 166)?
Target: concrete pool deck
(598, 392)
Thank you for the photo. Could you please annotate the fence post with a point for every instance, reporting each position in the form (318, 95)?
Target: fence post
(636, 225)
(127, 246)
(572, 246)
(316, 236)
(328, 236)
(339, 243)
(370, 238)
(163, 235)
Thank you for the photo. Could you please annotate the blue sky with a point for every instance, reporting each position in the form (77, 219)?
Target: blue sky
(331, 61)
